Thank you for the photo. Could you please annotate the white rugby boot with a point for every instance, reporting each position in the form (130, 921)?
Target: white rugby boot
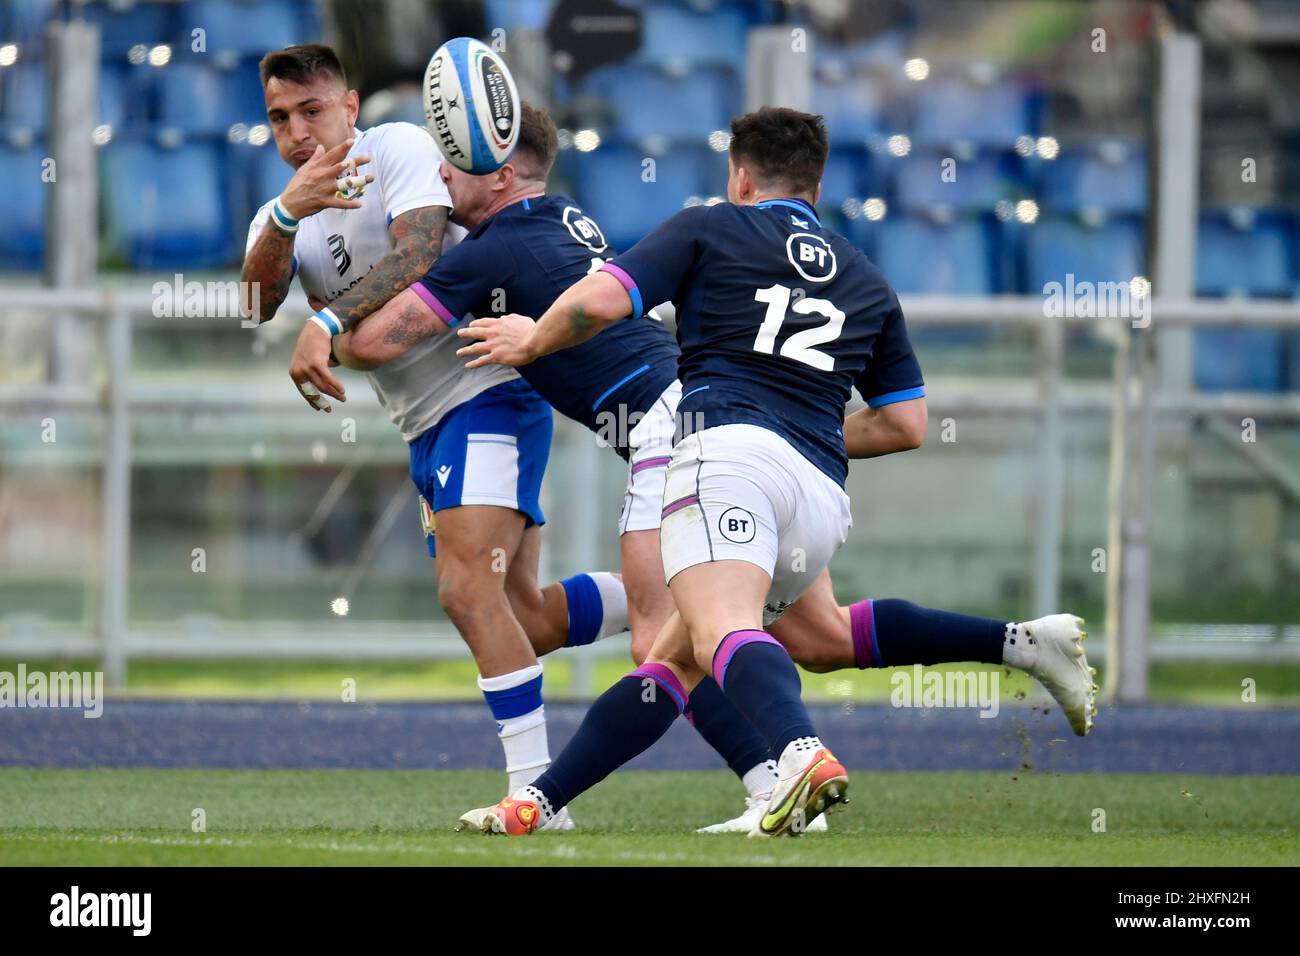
(748, 821)
(1053, 648)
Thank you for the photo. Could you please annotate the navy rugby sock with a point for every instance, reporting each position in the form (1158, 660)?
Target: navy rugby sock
(891, 632)
(756, 673)
(624, 721)
(725, 728)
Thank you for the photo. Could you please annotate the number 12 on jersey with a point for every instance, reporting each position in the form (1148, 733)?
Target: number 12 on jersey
(798, 346)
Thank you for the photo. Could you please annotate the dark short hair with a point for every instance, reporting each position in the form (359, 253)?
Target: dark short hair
(781, 147)
(538, 141)
(301, 64)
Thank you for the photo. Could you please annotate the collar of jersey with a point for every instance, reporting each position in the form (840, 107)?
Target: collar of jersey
(800, 204)
(525, 206)
(519, 207)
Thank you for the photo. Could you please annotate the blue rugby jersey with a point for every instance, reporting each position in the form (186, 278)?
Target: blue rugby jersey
(519, 260)
(778, 319)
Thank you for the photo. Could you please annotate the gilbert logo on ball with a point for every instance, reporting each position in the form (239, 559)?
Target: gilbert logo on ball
(471, 105)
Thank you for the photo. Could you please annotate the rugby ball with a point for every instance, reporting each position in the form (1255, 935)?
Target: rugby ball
(471, 105)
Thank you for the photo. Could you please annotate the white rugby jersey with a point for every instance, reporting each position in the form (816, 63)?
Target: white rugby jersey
(335, 248)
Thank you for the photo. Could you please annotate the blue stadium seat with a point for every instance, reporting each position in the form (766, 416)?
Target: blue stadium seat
(861, 232)
(175, 214)
(949, 111)
(852, 104)
(918, 255)
(980, 183)
(270, 174)
(198, 99)
(650, 103)
(115, 102)
(1249, 360)
(1291, 370)
(255, 174)
(22, 238)
(1244, 252)
(611, 189)
(23, 98)
(245, 27)
(1057, 246)
(24, 22)
(677, 36)
(886, 50)
(848, 175)
(517, 14)
(122, 26)
(1110, 176)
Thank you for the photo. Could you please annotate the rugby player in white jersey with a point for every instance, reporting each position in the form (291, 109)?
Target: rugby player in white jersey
(363, 217)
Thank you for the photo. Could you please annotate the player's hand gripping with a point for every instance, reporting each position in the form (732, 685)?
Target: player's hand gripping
(503, 341)
(310, 368)
(323, 181)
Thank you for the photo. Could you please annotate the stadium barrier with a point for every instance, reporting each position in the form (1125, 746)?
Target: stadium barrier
(1133, 403)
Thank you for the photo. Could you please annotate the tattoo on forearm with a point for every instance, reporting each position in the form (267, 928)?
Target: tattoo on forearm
(409, 327)
(417, 244)
(270, 264)
(580, 322)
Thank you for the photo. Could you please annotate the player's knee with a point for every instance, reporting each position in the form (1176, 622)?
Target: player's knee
(460, 594)
(812, 650)
(643, 639)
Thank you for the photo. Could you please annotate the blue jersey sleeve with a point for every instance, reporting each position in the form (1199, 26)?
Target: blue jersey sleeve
(653, 270)
(892, 374)
(463, 280)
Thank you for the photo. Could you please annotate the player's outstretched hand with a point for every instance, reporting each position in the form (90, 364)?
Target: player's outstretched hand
(324, 180)
(503, 341)
(309, 368)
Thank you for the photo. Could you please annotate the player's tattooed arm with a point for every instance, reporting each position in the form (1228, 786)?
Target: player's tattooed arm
(417, 244)
(872, 432)
(593, 302)
(269, 264)
(402, 322)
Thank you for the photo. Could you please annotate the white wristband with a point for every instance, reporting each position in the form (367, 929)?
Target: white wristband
(328, 321)
(280, 216)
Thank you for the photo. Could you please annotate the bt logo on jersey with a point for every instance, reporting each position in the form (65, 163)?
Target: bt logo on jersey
(811, 255)
(584, 229)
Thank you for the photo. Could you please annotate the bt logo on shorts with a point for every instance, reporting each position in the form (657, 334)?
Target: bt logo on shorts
(737, 525)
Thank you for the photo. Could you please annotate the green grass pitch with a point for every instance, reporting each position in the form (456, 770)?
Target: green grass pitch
(290, 817)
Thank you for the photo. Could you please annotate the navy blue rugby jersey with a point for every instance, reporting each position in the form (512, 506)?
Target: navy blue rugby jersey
(778, 319)
(519, 260)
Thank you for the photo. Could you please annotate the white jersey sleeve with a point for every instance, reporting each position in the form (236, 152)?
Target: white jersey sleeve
(408, 169)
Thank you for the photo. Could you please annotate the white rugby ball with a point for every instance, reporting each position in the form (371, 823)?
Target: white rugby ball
(471, 105)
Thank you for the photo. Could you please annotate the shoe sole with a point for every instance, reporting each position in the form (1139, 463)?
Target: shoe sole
(823, 787)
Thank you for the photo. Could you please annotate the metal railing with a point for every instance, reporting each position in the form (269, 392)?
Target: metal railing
(1132, 409)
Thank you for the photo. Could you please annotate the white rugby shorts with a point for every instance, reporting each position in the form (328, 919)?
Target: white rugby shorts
(742, 492)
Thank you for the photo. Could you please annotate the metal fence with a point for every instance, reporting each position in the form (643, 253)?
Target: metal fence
(1133, 406)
